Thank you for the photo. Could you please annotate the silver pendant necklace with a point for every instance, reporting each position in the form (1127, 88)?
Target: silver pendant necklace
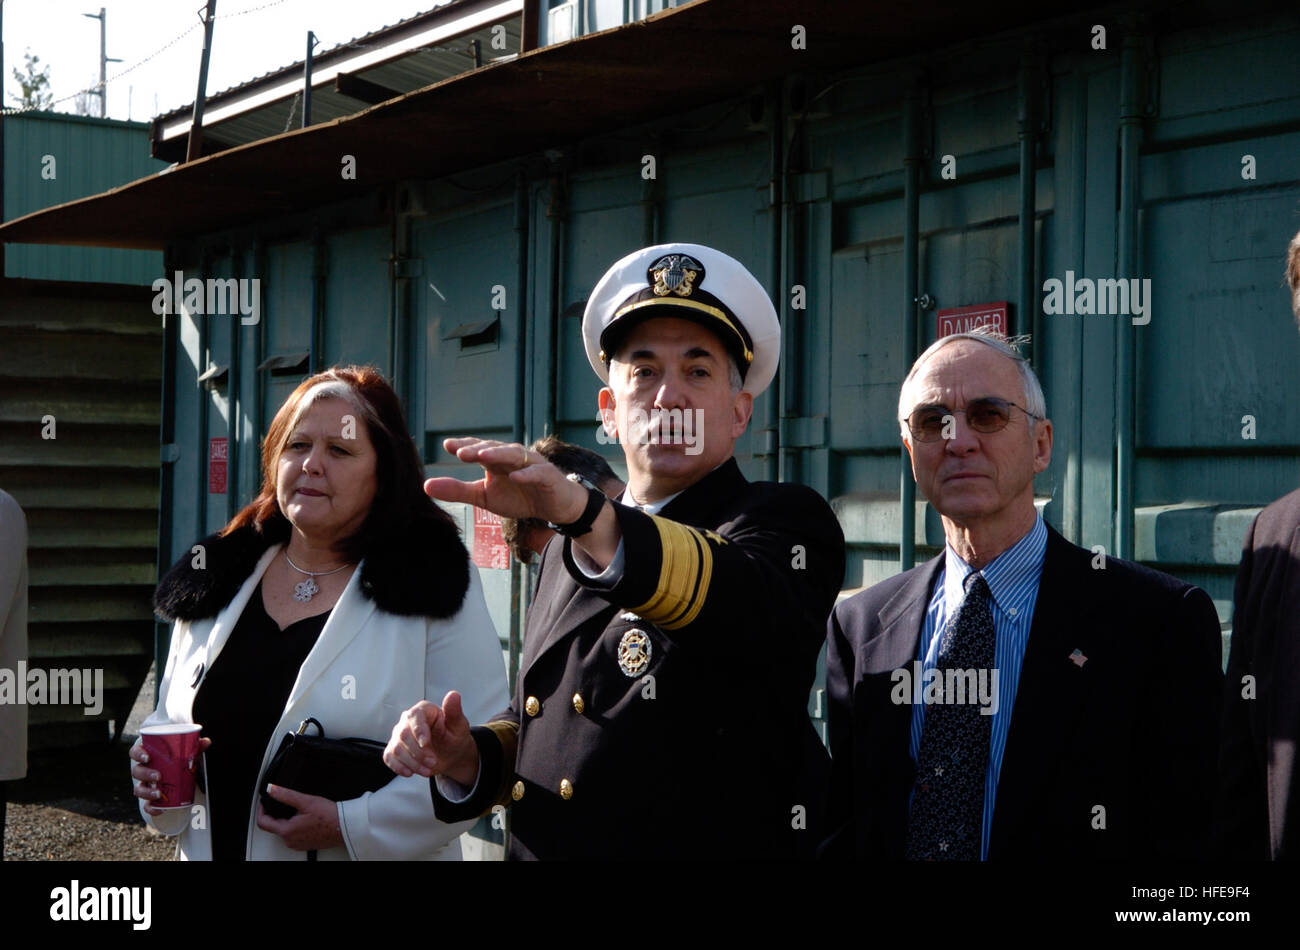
(303, 591)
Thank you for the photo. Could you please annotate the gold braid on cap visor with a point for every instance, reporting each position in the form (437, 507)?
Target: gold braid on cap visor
(693, 305)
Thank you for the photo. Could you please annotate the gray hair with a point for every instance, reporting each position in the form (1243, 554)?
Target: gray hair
(733, 375)
(1035, 402)
(335, 388)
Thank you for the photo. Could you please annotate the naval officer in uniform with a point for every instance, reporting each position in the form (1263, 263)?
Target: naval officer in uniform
(660, 709)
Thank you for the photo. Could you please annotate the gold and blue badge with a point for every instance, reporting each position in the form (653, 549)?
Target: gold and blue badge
(634, 652)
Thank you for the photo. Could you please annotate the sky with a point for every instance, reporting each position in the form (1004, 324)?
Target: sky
(250, 37)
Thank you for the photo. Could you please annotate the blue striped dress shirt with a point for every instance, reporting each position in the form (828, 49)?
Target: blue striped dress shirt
(1013, 578)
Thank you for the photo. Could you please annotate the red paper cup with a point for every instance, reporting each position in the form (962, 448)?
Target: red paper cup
(173, 750)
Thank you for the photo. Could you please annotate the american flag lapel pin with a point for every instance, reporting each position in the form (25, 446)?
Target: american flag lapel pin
(1077, 658)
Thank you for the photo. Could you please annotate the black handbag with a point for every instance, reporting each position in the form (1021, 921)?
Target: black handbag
(337, 769)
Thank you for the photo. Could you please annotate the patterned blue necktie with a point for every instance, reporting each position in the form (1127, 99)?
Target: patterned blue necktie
(947, 817)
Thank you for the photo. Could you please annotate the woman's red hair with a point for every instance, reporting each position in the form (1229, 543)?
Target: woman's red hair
(399, 473)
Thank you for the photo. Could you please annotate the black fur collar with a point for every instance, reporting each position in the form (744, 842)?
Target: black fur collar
(423, 573)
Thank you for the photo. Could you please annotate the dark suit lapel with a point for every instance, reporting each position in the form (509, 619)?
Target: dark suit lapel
(561, 606)
(901, 620)
(886, 767)
(1051, 689)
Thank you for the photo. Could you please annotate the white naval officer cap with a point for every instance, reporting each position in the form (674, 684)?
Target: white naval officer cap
(692, 282)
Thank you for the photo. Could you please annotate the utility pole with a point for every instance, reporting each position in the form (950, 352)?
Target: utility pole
(104, 60)
(312, 43)
(195, 142)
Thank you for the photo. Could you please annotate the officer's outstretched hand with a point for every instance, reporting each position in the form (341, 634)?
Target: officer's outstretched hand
(517, 482)
(434, 740)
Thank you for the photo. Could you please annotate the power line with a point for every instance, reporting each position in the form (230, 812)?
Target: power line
(231, 16)
(160, 50)
(113, 78)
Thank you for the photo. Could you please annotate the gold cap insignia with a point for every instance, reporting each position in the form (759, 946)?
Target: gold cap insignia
(675, 274)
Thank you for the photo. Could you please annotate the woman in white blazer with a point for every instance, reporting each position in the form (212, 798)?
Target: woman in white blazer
(341, 593)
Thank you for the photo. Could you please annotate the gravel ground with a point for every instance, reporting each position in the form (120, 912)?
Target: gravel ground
(76, 804)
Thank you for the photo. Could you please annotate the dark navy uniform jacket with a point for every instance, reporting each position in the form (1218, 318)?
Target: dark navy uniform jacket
(667, 716)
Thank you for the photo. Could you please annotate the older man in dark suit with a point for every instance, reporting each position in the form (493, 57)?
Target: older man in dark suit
(1259, 793)
(1017, 696)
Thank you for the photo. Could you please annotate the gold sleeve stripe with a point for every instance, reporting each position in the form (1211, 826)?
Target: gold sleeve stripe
(653, 608)
(677, 574)
(687, 566)
(696, 602)
(507, 734)
(673, 621)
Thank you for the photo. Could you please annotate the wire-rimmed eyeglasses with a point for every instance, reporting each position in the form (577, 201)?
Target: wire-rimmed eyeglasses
(986, 414)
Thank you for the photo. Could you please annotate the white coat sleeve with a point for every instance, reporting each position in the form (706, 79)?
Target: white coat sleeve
(171, 822)
(461, 653)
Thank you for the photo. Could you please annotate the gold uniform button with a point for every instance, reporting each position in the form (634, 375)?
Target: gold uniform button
(566, 789)
(518, 791)
(532, 706)
(578, 704)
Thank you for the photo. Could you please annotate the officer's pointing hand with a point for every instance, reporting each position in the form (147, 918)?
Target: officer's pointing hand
(517, 482)
(434, 740)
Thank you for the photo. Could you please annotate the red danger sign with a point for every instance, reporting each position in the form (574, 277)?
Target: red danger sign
(218, 455)
(965, 319)
(490, 548)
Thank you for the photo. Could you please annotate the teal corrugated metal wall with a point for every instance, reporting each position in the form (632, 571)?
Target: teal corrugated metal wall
(51, 158)
(1221, 344)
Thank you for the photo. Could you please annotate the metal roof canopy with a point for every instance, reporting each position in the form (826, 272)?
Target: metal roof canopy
(672, 61)
(408, 55)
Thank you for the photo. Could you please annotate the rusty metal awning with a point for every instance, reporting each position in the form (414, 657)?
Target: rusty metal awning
(671, 62)
(383, 64)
